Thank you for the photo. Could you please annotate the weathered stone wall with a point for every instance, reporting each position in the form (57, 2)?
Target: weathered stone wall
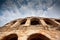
(31, 28)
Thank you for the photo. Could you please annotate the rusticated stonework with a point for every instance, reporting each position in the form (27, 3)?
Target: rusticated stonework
(31, 28)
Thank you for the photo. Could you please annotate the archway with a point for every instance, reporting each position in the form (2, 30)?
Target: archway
(37, 36)
(35, 21)
(11, 37)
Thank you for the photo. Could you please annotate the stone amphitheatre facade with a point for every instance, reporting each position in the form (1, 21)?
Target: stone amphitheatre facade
(31, 28)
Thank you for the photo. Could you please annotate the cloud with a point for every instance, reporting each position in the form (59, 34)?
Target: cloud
(14, 9)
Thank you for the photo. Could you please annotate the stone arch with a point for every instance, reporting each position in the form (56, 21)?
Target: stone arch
(35, 21)
(48, 21)
(37, 36)
(57, 20)
(11, 37)
(23, 21)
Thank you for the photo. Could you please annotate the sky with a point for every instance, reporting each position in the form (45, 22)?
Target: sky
(14, 9)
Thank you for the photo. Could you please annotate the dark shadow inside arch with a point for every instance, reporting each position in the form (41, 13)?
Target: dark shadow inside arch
(11, 37)
(37, 36)
(35, 21)
(58, 20)
(48, 21)
(23, 21)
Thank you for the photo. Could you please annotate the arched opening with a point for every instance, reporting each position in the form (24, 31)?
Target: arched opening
(11, 37)
(12, 22)
(57, 20)
(37, 36)
(48, 21)
(35, 21)
(23, 21)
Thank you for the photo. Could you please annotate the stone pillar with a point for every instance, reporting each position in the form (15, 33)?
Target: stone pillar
(43, 22)
(27, 22)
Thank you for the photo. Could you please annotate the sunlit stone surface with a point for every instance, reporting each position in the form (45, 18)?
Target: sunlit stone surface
(31, 28)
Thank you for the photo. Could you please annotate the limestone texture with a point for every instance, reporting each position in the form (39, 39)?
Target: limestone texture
(31, 28)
